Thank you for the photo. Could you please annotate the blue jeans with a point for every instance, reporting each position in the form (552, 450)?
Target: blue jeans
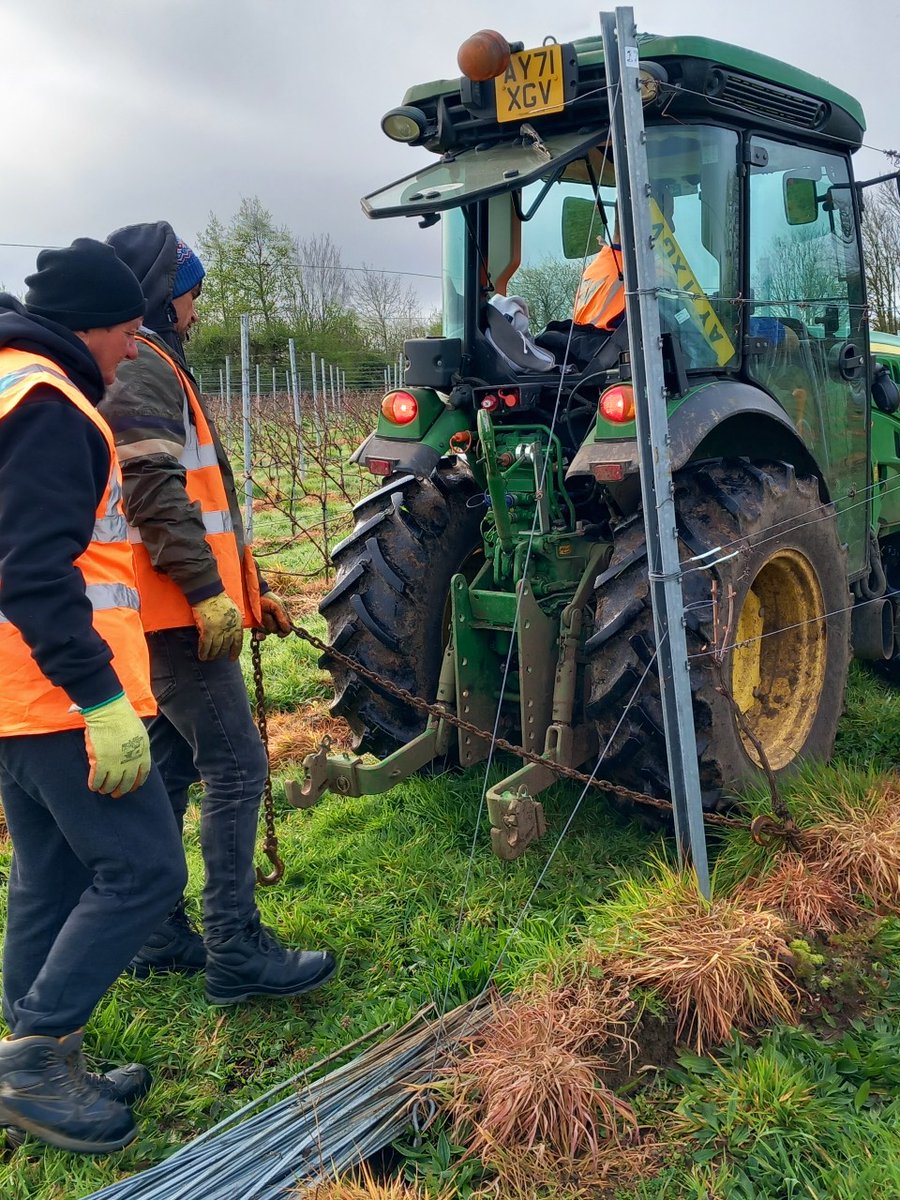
(91, 878)
(205, 731)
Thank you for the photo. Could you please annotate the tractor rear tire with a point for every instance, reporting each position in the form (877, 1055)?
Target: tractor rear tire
(389, 607)
(778, 567)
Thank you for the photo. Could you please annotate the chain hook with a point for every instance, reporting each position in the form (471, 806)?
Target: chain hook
(270, 850)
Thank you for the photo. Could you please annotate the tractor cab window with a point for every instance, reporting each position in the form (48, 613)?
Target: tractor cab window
(806, 327)
(695, 216)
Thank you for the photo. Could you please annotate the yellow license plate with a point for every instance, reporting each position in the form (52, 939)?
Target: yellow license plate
(532, 85)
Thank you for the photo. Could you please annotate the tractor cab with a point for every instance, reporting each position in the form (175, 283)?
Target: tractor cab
(756, 243)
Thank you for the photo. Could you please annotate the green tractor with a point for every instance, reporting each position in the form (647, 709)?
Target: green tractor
(501, 565)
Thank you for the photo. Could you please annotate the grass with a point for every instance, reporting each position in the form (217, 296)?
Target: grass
(391, 885)
(792, 1117)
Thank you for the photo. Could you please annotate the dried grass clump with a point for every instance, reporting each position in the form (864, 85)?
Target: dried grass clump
(531, 1077)
(720, 964)
(293, 735)
(4, 828)
(363, 1186)
(807, 896)
(860, 849)
(302, 594)
(538, 1175)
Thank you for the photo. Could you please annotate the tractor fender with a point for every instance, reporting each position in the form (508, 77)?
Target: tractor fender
(404, 454)
(417, 455)
(721, 419)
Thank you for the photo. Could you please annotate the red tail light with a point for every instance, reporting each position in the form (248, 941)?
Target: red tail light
(400, 407)
(617, 403)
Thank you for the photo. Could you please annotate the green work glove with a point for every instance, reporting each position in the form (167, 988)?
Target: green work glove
(220, 624)
(118, 747)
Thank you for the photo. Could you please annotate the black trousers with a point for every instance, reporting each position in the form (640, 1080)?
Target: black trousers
(91, 878)
(205, 730)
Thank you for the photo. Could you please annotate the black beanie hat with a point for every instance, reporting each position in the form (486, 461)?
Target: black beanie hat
(84, 286)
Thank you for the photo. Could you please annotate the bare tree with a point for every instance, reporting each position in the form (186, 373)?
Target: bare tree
(881, 251)
(321, 288)
(387, 309)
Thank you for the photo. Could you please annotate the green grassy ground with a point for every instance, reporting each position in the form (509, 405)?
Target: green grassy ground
(391, 885)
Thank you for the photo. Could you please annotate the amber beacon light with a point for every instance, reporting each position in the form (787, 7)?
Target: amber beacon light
(484, 55)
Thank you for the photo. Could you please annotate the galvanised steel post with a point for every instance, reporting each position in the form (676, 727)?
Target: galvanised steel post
(298, 414)
(620, 53)
(246, 412)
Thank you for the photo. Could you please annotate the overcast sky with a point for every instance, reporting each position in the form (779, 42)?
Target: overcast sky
(117, 111)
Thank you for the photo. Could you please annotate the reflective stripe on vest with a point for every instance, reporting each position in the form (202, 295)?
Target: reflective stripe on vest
(194, 456)
(163, 603)
(213, 522)
(113, 527)
(29, 702)
(107, 595)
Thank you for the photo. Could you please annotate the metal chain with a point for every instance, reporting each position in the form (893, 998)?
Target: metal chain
(440, 712)
(270, 845)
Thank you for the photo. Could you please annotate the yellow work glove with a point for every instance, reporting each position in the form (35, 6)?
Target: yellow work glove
(275, 618)
(118, 747)
(220, 624)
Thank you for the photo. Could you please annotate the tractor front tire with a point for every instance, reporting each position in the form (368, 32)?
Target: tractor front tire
(389, 606)
(767, 620)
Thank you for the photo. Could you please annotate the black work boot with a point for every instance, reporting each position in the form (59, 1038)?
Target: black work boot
(128, 1085)
(254, 963)
(175, 947)
(45, 1091)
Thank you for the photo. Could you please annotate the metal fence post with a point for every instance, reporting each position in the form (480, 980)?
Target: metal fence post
(315, 398)
(298, 412)
(246, 412)
(621, 58)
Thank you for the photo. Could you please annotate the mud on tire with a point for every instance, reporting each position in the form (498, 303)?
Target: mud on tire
(787, 671)
(388, 606)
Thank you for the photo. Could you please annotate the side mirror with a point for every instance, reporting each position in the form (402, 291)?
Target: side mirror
(885, 393)
(801, 201)
(581, 225)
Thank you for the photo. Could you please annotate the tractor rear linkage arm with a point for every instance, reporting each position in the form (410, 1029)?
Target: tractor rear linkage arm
(523, 816)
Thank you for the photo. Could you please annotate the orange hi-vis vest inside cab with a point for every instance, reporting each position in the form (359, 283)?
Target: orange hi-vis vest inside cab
(163, 603)
(29, 702)
(600, 299)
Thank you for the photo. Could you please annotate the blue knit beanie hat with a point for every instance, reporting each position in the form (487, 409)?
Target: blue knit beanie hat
(188, 272)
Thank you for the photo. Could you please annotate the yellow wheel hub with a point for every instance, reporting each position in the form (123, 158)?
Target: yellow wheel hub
(778, 665)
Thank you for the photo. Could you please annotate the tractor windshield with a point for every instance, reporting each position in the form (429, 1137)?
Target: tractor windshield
(695, 217)
(543, 236)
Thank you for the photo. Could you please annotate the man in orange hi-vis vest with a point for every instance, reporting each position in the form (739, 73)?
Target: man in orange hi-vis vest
(97, 858)
(199, 589)
(600, 299)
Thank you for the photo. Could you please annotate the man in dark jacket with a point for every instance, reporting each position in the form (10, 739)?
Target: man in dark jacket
(97, 858)
(199, 589)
